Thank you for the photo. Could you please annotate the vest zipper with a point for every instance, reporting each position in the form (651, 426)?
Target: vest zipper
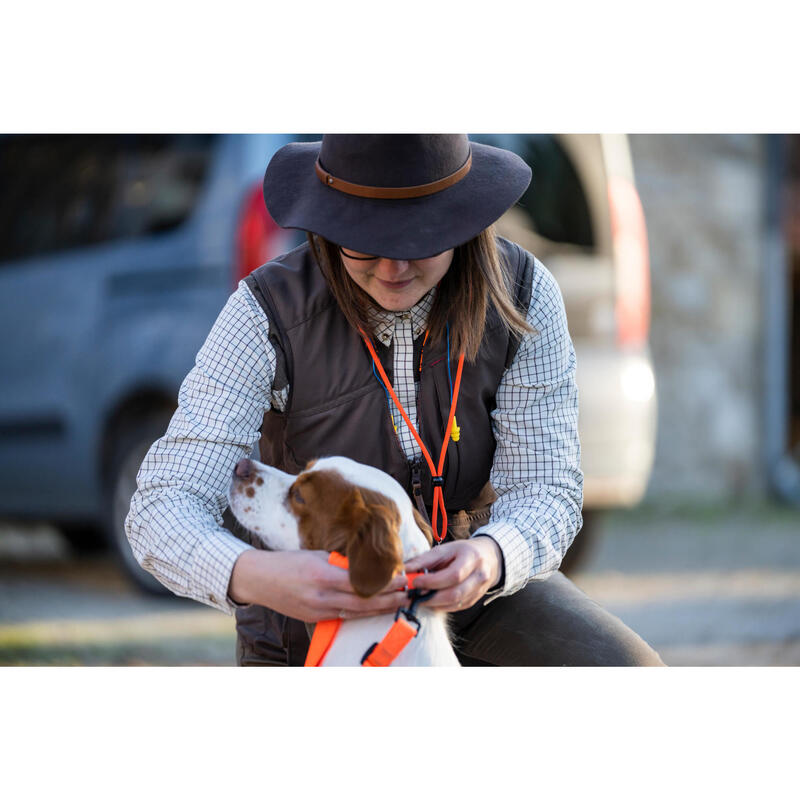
(416, 464)
(416, 489)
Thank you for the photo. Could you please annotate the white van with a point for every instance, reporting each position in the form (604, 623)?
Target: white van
(582, 218)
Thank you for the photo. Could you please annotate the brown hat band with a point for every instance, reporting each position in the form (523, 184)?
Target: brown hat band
(392, 192)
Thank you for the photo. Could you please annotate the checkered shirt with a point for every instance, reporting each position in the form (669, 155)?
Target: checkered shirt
(174, 525)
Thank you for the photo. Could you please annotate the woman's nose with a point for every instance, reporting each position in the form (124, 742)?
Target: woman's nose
(390, 268)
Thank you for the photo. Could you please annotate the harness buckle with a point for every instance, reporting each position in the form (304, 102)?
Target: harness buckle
(399, 635)
(409, 615)
(368, 652)
(417, 596)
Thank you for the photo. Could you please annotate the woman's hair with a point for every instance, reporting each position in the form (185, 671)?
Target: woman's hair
(475, 279)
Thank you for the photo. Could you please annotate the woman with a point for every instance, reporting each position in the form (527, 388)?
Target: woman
(402, 271)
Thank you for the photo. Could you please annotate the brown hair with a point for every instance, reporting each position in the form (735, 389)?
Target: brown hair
(475, 278)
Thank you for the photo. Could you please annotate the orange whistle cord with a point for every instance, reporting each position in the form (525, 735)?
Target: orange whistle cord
(422, 351)
(325, 630)
(438, 494)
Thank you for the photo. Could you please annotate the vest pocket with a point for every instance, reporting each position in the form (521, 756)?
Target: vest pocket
(462, 524)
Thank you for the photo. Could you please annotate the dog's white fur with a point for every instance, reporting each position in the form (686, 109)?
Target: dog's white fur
(268, 516)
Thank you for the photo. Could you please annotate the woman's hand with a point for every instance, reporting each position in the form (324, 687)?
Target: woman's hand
(461, 571)
(302, 584)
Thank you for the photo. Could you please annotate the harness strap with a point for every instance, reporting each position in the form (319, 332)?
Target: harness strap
(326, 630)
(338, 560)
(324, 633)
(410, 578)
(382, 653)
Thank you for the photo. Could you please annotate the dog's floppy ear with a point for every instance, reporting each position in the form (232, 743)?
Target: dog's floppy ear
(373, 549)
(422, 524)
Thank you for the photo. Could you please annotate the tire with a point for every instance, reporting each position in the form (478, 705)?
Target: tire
(85, 539)
(130, 446)
(584, 544)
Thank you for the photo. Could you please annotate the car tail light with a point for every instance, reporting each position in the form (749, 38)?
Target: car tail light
(258, 237)
(631, 257)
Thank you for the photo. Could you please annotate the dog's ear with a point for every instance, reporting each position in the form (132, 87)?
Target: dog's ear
(373, 548)
(422, 524)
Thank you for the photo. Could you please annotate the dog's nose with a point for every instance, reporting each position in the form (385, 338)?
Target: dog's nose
(244, 469)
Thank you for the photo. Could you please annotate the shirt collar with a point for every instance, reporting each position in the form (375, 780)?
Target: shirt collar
(383, 321)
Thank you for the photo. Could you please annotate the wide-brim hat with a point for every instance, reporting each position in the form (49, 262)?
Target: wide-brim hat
(402, 196)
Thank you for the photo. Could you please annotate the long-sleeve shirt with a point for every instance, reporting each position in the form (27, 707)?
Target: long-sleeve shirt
(175, 522)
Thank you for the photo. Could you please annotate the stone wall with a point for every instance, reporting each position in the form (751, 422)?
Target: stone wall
(703, 198)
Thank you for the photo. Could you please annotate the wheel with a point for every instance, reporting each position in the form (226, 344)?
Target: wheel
(583, 545)
(84, 538)
(129, 449)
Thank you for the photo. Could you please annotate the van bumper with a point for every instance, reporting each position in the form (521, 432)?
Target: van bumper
(617, 425)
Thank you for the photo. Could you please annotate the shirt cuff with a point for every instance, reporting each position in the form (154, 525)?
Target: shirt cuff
(212, 566)
(497, 589)
(516, 557)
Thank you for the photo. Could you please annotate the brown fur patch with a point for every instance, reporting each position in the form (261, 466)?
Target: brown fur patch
(334, 514)
(422, 524)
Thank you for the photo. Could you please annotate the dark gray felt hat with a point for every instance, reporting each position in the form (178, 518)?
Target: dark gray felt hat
(394, 195)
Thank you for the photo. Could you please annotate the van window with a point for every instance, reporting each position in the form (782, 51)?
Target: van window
(66, 191)
(555, 201)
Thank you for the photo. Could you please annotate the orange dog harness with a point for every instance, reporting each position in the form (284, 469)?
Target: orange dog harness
(380, 654)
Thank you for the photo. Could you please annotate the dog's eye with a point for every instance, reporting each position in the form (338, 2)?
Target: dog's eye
(295, 496)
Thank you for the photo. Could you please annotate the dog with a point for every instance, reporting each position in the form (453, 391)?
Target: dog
(337, 504)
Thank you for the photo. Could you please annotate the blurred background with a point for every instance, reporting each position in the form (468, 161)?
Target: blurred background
(679, 261)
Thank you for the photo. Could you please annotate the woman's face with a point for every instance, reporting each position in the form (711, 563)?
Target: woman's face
(396, 285)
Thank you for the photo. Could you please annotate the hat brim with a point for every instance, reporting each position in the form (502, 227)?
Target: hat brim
(410, 228)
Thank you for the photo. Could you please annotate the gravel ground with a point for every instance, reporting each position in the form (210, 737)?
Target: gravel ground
(704, 587)
(57, 609)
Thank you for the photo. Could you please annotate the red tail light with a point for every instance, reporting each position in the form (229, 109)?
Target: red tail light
(258, 236)
(631, 256)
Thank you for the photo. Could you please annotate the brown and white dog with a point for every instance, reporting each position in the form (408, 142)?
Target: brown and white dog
(363, 513)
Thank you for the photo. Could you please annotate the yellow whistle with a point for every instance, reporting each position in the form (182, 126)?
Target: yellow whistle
(455, 431)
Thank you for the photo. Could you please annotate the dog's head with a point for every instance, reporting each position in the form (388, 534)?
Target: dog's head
(334, 504)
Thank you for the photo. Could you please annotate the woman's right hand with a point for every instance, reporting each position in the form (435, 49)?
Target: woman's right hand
(303, 585)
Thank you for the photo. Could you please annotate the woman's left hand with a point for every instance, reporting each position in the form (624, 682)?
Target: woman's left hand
(461, 572)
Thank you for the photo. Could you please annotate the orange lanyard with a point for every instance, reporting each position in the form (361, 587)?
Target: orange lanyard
(436, 474)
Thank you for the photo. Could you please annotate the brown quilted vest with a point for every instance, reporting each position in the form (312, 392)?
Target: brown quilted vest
(336, 406)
